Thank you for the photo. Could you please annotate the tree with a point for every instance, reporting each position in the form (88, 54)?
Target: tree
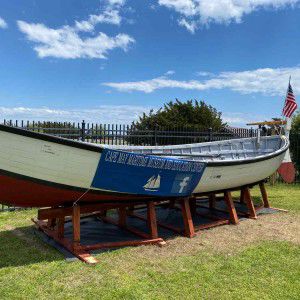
(295, 141)
(190, 114)
(296, 123)
(170, 124)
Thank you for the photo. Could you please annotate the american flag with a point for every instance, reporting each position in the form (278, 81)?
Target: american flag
(290, 104)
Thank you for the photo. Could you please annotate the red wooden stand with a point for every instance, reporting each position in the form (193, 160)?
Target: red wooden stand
(55, 224)
(54, 227)
(188, 229)
(245, 198)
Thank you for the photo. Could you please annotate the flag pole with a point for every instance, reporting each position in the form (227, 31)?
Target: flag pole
(282, 116)
(288, 120)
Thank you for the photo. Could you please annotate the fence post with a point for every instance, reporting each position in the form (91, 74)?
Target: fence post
(155, 134)
(251, 132)
(210, 134)
(83, 131)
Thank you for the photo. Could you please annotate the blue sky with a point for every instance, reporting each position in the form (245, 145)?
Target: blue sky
(110, 60)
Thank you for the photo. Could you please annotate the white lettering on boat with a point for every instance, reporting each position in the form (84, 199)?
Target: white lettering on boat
(138, 160)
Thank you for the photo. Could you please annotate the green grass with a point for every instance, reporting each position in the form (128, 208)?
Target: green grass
(267, 270)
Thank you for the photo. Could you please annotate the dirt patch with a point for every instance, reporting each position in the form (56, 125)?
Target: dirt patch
(231, 239)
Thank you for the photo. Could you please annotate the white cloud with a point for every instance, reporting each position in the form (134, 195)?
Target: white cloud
(109, 114)
(204, 12)
(170, 72)
(110, 15)
(66, 41)
(190, 26)
(204, 74)
(266, 81)
(116, 2)
(123, 114)
(241, 119)
(3, 24)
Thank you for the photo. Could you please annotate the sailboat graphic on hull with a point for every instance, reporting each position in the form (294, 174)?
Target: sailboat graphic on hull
(153, 184)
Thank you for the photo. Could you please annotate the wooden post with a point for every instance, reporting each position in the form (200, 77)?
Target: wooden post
(151, 219)
(189, 229)
(249, 203)
(61, 227)
(212, 201)
(51, 223)
(193, 205)
(264, 194)
(122, 216)
(172, 203)
(76, 225)
(130, 209)
(242, 196)
(231, 209)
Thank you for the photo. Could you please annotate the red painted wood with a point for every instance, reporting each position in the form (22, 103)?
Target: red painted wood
(122, 216)
(287, 172)
(264, 195)
(231, 208)
(61, 227)
(121, 244)
(249, 203)
(151, 220)
(212, 201)
(76, 225)
(187, 218)
(26, 193)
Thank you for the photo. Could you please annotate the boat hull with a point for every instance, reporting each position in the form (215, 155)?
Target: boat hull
(216, 178)
(41, 171)
(30, 192)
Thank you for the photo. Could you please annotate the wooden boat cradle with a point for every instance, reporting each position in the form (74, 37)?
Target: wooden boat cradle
(56, 218)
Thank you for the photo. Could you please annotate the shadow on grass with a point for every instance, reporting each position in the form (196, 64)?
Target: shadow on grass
(25, 245)
(21, 246)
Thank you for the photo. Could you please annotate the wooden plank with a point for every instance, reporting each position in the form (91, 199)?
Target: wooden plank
(242, 196)
(212, 201)
(249, 203)
(51, 222)
(48, 213)
(212, 224)
(193, 205)
(151, 220)
(76, 225)
(231, 208)
(187, 218)
(61, 227)
(122, 216)
(163, 225)
(264, 194)
(121, 244)
(130, 229)
(83, 256)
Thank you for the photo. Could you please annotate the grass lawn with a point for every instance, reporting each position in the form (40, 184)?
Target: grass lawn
(258, 259)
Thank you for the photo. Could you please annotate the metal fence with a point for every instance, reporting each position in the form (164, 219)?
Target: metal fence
(120, 134)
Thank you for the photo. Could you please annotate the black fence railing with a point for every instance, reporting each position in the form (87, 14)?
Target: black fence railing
(120, 134)
(116, 134)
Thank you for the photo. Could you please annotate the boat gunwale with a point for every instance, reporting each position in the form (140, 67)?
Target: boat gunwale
(51, 138)
(99, 148)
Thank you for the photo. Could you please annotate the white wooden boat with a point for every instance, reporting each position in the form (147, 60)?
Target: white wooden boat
(42, 170)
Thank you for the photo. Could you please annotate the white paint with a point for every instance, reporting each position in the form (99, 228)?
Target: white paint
(218, 178)
(76, 167)
(47, 161)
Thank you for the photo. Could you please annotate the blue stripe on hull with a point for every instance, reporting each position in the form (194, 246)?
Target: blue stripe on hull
(146, 175)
